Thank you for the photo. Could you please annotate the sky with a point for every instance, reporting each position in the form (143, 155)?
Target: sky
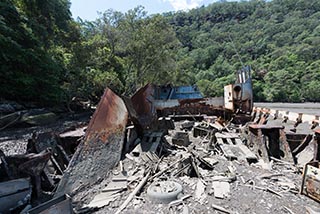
(87, 9)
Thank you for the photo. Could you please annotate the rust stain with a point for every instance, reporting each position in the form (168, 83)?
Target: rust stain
(142, 102)
(260, 126)
(190, 101)
(102, 145)
(110, 117)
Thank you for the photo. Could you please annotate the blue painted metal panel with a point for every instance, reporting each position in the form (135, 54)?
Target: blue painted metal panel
(179, 92)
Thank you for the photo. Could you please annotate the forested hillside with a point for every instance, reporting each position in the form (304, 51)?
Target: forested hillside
(49, 58)
(280, 39)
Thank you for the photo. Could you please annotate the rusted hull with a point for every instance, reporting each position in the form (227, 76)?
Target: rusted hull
(205, 106)
(269, 141)
(102, 147)
(143, 103)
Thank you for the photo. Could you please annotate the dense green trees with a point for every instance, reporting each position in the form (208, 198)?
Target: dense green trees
(47, 57)
(279, 39)
(32, 33)
(123, 52)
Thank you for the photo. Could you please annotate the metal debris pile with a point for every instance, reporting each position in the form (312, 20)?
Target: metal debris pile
(146, 154)
(31, 177)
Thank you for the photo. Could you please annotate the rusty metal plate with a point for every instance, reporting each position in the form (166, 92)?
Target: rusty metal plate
(101, 148)
(311, 181)
(192, 107)
(262, 126)
(269, 141)
(143, 103)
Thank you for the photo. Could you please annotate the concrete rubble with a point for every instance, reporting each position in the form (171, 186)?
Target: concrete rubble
(152, 153)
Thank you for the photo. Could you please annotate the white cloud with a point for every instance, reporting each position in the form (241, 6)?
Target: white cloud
(184, 4)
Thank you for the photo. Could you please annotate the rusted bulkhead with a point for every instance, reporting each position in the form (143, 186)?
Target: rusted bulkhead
(101, 149)
(208, 106)
(143, 103)
(148, 106)
(266, 141)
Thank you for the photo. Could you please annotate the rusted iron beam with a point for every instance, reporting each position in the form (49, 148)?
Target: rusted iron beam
(300, 141)
(268, 141)
(49, 141)
(101, 148)
(194, 107)
(27, 164)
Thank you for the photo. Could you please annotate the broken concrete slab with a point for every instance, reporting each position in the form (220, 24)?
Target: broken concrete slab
(200, 194)
(306, 155)
(221, 189)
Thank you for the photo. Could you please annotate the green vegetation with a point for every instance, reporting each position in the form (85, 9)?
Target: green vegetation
(47, 57)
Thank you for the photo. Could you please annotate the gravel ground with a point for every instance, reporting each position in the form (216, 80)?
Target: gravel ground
(243, 197)
(14, 140)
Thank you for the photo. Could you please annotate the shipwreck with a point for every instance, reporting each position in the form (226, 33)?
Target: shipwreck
(169, 148)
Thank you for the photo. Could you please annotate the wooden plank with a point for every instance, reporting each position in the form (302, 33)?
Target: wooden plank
(247, 153)
(238, 141)
(220, 141)
(229, 141)
(226, 135)
(227, 152)
(220, 135)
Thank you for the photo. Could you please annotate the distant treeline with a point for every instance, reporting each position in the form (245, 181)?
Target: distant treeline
(47, 57)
